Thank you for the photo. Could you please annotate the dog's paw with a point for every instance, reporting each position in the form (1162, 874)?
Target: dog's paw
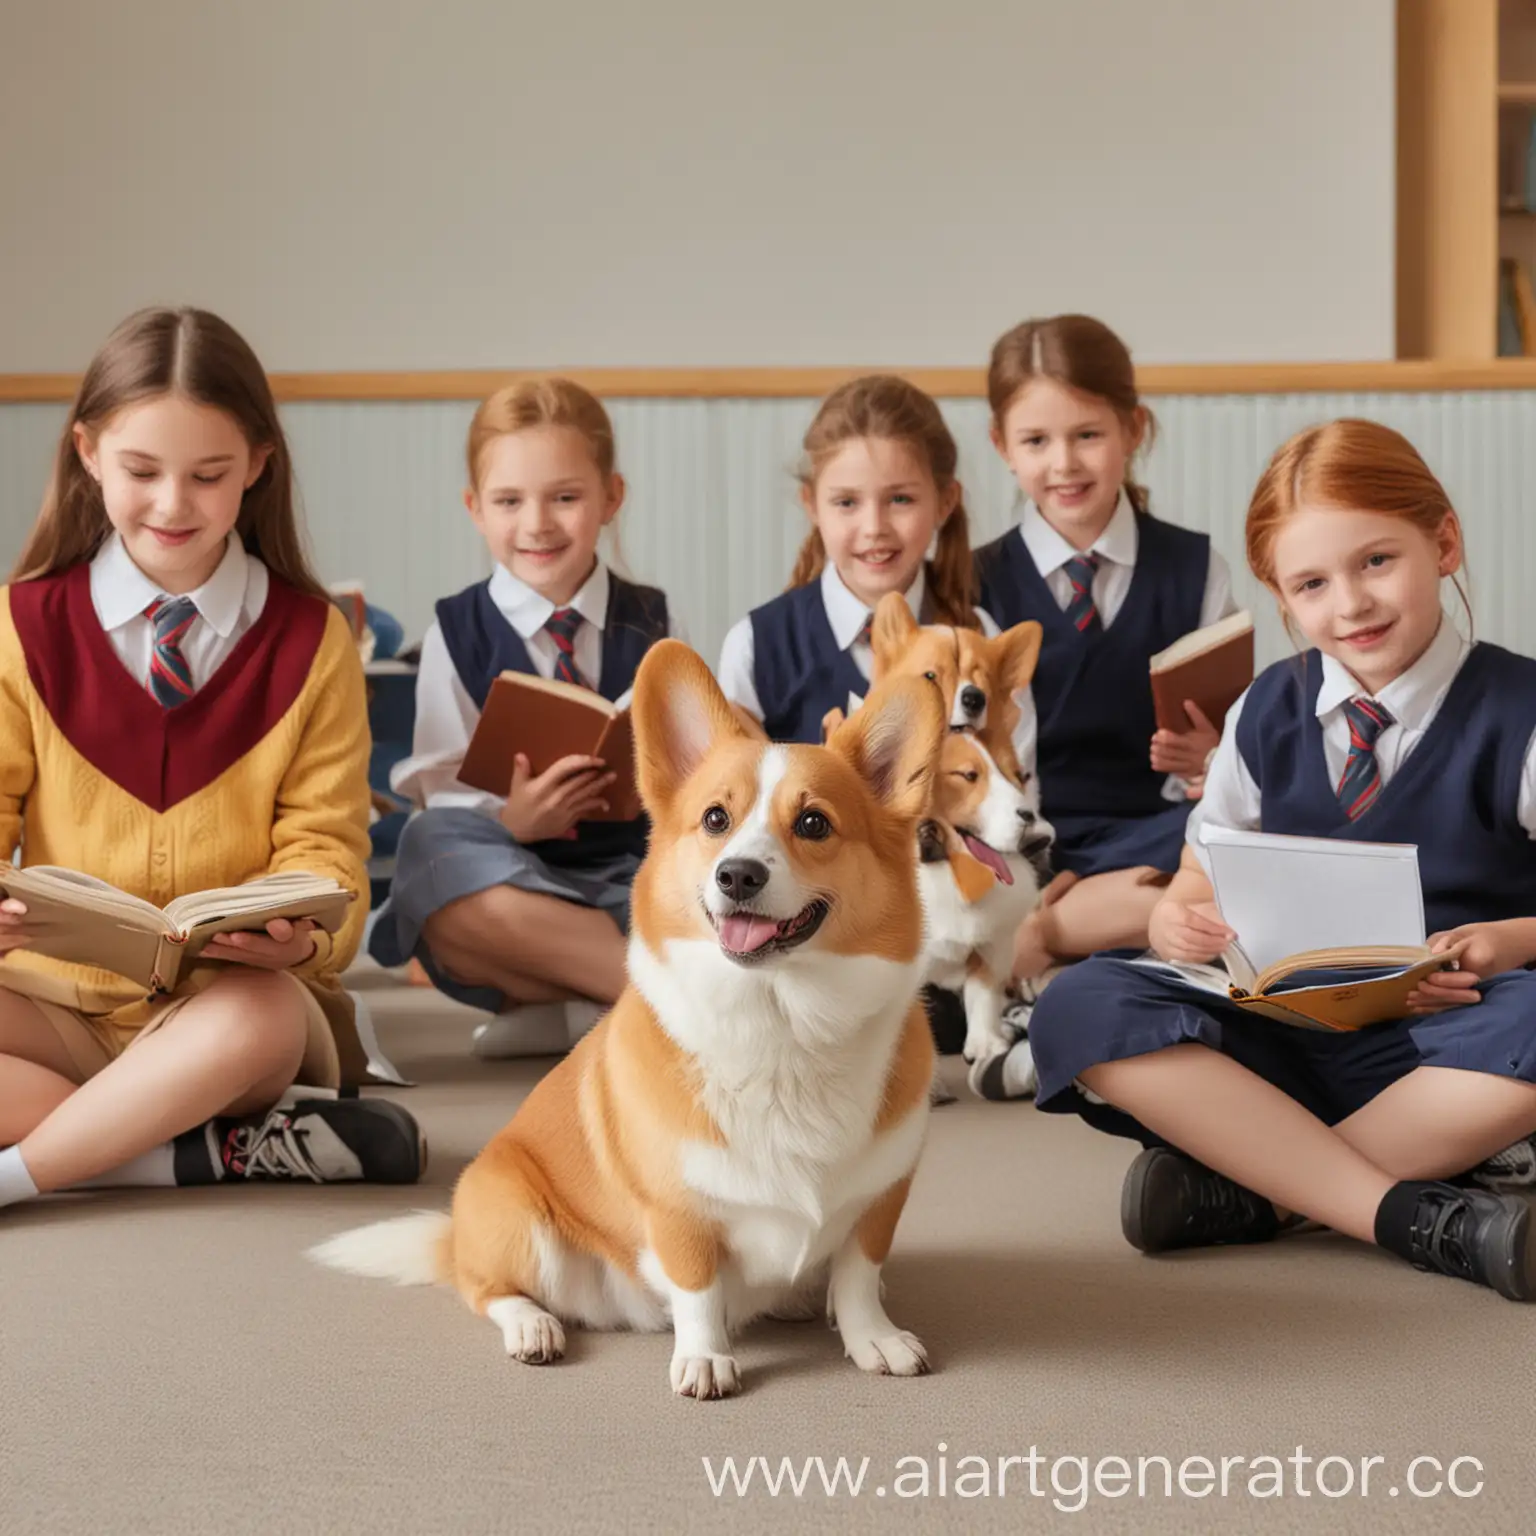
(705, 1376)
(894, 1354)
(939, 1092)
(531, 1334)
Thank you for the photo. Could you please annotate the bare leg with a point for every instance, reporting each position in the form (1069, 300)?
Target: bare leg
(1439, 1121)
(1108, 911)
(546, 948)
(232, 1049)
(1231, 1120)
(36, 1073)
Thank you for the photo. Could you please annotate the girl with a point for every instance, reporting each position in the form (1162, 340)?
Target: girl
(1112, 585)
(181, 708)
(878, 484)
(1392, 729)
(519, 905)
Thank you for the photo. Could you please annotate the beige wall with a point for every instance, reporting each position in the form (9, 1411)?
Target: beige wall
(397, 184)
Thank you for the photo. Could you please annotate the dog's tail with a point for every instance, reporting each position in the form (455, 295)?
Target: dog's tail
(410, 1250)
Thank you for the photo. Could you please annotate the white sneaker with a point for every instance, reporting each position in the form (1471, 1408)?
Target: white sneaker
(526, 1029)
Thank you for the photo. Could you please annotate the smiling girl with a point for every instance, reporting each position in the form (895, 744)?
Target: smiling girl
(181, 708)
(1392, 728)
(520, 905)
(879, 486)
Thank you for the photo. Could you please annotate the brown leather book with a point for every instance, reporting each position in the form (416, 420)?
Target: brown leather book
(546, 720)
(1212, 666)
(76, 917)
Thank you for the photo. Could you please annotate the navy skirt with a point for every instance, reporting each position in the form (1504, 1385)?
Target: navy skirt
(1097, 845)
(1108, 1009)
(446, 854)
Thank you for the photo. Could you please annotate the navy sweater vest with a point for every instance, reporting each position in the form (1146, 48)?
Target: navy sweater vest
(1455, 795)
(482, 645)
(1093, 696)
(797, 668)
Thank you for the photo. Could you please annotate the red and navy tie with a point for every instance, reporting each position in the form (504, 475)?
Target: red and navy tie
(170, 678)
(562, 625)
(1081, 610)
(865, 630)
(1360, 783)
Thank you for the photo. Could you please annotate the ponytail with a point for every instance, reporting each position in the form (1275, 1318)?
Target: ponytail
(951, 574)
(810, 562)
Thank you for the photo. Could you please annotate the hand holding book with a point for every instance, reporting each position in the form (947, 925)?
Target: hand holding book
(549, 804)
(283, 944)
(1184, 752)
(1486, 950)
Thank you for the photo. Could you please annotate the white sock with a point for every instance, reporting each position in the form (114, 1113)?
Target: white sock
(15, 1182)
(154, 1169)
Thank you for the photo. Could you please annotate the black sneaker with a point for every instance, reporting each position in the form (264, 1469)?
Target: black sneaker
(1470, 1234)
(1171, 1201)
(326, 1141)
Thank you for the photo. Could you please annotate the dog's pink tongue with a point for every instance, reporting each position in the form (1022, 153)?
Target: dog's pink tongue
(741, 933)
(983, 854)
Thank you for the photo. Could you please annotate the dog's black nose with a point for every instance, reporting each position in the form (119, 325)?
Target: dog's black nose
(741, 879)
(973, 701)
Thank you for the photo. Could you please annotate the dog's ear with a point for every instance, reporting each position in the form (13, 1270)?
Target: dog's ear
(679, 714)
(830, 722)
(891, 631)
(1015, 653)
(893, 742)
(749, 723)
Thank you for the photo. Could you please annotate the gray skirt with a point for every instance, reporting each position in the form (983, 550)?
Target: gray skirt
(448, 854)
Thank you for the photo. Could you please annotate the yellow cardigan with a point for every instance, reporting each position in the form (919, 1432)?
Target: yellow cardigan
(264, 769)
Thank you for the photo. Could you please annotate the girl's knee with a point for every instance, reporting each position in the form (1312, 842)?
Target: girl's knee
(257, 1016)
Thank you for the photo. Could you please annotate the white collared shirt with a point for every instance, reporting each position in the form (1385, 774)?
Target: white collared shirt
(1232, 798)
(847, 616)
(228, 603)
(446, 716)
(1116, 548)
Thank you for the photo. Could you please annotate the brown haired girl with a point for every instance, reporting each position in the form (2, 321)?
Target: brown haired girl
(879, 486)
(1112, 585)
(1393, 728)
(519, 904)
(181, 709)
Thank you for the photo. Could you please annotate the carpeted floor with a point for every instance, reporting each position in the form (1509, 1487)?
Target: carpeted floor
(169, 1363)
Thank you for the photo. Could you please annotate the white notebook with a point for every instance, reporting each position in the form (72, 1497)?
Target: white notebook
(1286, 895)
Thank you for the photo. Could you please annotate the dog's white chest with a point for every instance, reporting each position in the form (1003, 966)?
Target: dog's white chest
(800, 1167)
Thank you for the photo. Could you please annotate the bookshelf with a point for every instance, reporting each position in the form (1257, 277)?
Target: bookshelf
(1466, 127)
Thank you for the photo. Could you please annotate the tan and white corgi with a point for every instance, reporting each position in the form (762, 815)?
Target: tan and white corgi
(743, 1127)
(984, 860)
(984, 847)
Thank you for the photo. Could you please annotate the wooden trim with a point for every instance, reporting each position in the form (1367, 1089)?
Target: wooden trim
(1447, 178)
(1420, 376)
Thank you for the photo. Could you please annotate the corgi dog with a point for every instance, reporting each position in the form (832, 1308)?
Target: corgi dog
(738, 1135)
(984, 848)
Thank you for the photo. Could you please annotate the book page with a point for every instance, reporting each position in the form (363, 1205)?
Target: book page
(72, 889)
(1198, 641)
(269, 894)
(1285, 895)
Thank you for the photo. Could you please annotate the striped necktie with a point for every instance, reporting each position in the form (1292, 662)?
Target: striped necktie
(170, 678)
(1081, 610)
(562, 625)
(1360, 783)
(865, 630)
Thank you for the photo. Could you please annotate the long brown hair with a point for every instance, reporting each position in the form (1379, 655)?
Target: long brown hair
(1355, 465)
(1081, 353)
(185, 352)
(884, 406)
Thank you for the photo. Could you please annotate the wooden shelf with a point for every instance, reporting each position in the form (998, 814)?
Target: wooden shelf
(1517, 93)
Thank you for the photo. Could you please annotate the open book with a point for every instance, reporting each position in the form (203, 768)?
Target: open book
(1212, 666)
(76, 917)
(546, 720)
(1291, 901)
